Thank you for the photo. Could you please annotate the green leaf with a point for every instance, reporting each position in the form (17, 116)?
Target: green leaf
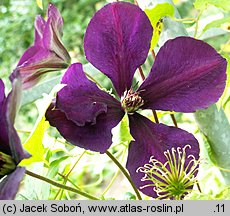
(216, 24)
(213, 32)
(39, 3)
(35, 189)
(34, 143)
(36, 92)
(121, 133)
(202, 4)
(155, 14)
(215, 126)
(54, 166)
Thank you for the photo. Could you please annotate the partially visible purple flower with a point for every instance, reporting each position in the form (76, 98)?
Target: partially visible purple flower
(187, 75)
(48, 52)
(11, 151)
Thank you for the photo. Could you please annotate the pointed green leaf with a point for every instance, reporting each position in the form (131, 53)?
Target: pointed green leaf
(54, 166)
(35, 189)
(216, 24)
(202, 4)
(155, 15)
(34, 144)
(121, 133)
(39, 3)
(216, 128)
(36, 92)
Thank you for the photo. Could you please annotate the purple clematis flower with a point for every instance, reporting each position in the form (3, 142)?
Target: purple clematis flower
(187, 75)
(48, 52)
(11, 151)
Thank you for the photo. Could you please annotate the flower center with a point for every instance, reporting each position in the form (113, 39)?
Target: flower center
(131, 101)
(7, 164)
(173, 179)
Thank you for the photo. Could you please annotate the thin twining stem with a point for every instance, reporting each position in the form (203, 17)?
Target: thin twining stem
(92, 79)
(54, 183)
(115, 175)
(185, 20)
(67, 175)
(174, 120)
(125, 174)
(197, 23)
(23, 131)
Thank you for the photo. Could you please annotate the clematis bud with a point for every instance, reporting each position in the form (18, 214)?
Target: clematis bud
(48, 52)
(11, 150)
(173, 179)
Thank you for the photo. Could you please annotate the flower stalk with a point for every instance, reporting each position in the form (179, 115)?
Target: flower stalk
(125, 174)
(56, 184)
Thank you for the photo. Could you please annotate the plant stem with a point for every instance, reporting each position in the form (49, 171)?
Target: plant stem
(67, 175)
(114, 177)
(23, 131)
(185, 20)
(196, 27)
(198, 186)
(141, 73)
(224, 46)
(92, 79)
(174, 120)
(71, 182)
(54, 183)
(125, 173)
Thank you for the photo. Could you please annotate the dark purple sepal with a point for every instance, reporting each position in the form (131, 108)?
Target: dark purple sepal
(4, 139)
(9, 185)
(152, 140)
(117, 42)
(187, 75)
(2, 92)
(94, 137)
(12, 105)
(81, 100)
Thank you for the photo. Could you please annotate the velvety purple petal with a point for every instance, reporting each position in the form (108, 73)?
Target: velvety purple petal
(35, 62)
(10, 184)
(95, 137)
(152, 140)
(39, 26)
(187, 75)
(2, 91)
(4, 139)
(53, 32)
(81, 100)
(12, 105)
(117, 42)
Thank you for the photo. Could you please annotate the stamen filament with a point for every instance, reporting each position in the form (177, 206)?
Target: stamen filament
(173, 179)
